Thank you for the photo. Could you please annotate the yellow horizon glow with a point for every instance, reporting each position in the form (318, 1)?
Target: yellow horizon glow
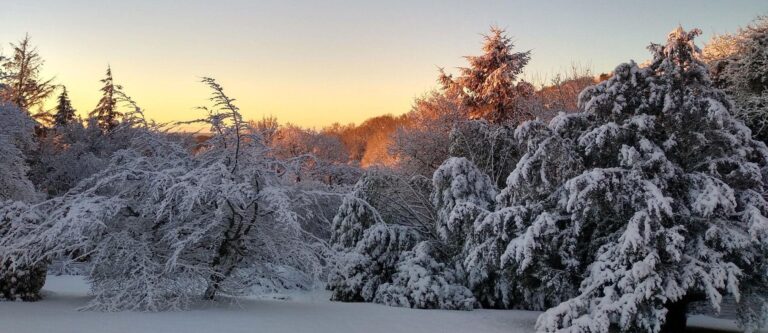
(299, 102)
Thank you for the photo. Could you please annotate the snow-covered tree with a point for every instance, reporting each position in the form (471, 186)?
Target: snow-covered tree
(64, 113)
(14, 183)
(16, 142)
(162, 225)
(16, 193)
(382, 218)
(490, 87)
(402, 252)
(491, 147)
(354, 216)
(422, 145)
(18, 281)
(462, 195)
(647, 201)
(424, 278)
(739, 65)
(73, 151)
(362, 268)
(720, 47)
(381, 196)
(106, 112)
(461, 192)
(21, 83)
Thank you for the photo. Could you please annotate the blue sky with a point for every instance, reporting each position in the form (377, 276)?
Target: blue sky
(316, 62)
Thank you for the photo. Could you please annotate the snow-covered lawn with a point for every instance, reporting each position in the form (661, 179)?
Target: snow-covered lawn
(309, 312)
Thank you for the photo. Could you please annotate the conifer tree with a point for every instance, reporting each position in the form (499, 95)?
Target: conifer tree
(65, 113)
(650, 199)
(490, 87)
(21, 81)
(106, 111)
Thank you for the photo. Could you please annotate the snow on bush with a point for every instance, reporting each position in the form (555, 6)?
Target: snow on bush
(370, 263)
(425, 282)
(398, 271)
(17, 281)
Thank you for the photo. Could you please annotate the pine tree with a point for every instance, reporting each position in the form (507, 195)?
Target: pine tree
(647, 201)
(21, 83)
(490, 87)
(65, 113)
(106, 110)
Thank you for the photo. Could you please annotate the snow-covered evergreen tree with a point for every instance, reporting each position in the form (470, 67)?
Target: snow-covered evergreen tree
(75, 151)
(409, 260)
(14, 184)
(424, 278)
(106, 112)
(18, 281)
(372, 229)
(361, 269)
(461, 193)
(72, 153)
(354, 216)
(65, 113)
(16, 193)
(16, 141)
(647, 201)
(490, 87)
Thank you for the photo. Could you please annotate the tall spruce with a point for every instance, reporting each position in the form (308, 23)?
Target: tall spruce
(490, 87)
(21, 81)
(65, 113)
(106, 113)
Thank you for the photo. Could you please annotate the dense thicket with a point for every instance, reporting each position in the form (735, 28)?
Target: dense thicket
(614, 218)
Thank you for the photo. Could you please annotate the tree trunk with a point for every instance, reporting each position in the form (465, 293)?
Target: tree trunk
(213, 287)
(677, 317)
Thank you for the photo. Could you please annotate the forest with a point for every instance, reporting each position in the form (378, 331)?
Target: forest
(611, 202)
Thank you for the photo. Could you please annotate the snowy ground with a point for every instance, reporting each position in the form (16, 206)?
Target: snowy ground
(310, 312)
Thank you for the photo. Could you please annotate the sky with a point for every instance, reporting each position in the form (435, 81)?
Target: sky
(313, 63)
